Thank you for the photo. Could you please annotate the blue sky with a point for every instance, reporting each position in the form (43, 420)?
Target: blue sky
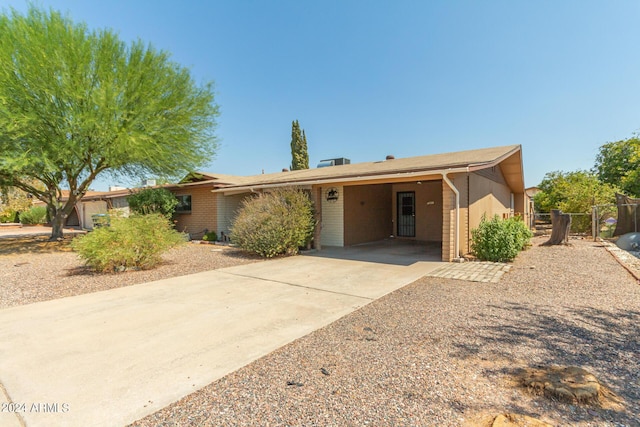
(371, 78)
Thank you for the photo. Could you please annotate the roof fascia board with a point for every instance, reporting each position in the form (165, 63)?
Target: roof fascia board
(255, 189)
(210, 183)
(480, 166)
(510, 181)
(395, 176)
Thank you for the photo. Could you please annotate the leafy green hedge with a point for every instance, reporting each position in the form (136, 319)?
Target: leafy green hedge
(9, 215)
(136, 242)
(274, 223)
(35, 215)
(153, 200)
(499, 240)
(210, 237)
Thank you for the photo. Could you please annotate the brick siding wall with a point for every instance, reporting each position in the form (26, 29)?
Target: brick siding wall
(203, 211)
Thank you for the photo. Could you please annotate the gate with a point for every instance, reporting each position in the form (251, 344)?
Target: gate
(407, 214)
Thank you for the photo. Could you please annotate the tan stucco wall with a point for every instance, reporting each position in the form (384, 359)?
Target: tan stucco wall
(487, 197)
(522, 205)
(367, 213)
(90, 208)
(227, 208)
(483, 192)
(428, 209)
(203, 211)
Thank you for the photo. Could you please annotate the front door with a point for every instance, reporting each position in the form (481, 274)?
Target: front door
(407, 214)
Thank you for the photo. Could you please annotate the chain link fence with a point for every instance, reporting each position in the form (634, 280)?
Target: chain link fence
(604, 221)
(580, 223)
(615, 220)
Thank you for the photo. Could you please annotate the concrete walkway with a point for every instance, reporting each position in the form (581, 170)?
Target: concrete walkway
(472, 271)
(112, 357)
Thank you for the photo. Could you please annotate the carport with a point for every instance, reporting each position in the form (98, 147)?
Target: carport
(404, 211)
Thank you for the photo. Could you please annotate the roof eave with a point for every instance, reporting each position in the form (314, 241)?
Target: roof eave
(342, 180)
(514, 179)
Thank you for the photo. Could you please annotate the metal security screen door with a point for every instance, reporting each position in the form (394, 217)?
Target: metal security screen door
(407, 214)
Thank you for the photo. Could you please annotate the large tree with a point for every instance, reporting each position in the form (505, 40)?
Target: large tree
(13, 201)
(299, 152)
(76, 103)
(618, 163)
(573, 192)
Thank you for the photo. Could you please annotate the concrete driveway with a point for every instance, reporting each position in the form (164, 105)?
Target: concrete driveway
(33, 230)
(112, 357)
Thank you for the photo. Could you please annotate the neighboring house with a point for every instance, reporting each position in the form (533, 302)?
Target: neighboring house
(94, 202)
(531, 192)
(435, 198)
(100, 203)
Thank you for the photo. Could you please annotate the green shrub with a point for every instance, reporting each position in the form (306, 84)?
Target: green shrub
(499, 240)
(153, 200)
(100, 220)
(9, 215)
(35, 215)
(279, 222)
(136, 242)
(210, 236)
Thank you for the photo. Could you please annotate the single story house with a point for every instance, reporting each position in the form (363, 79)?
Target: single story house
(94, 202)
(531, 193)
(100, 203)
(434, 198)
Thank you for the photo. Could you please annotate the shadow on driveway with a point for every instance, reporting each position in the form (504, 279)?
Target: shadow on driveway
(388, 251)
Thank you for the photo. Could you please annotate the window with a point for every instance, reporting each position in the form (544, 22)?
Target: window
(119, 202)
(184, 203)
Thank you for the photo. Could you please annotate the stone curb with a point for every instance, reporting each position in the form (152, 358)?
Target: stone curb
(624, 258)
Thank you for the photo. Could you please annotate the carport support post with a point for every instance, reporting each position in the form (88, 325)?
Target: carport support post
(317, 209)
(456, 251)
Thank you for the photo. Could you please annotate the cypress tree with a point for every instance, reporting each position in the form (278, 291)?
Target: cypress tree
(304, 152)
(299, 152)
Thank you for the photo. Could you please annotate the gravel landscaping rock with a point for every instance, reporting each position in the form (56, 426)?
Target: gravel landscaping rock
(438, 352)
(34, 269)
(443, 352)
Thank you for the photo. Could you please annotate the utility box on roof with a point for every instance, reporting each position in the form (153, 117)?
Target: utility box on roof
(334, 162)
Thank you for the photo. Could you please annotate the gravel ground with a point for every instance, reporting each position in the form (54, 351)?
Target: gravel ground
(438, 352)
(443, 352)
(40, 270)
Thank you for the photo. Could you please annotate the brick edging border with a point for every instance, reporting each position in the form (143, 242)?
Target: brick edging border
(621, 256)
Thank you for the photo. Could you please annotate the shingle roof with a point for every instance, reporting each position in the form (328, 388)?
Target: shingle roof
(97, 195)
(460, 159)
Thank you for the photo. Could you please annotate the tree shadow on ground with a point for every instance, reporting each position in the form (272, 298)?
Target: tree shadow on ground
(605, 342)
(33, 245)
(238, 253)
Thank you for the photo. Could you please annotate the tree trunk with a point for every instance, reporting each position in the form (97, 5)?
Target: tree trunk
(58, 215)
(560, 227)
(57, 225)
